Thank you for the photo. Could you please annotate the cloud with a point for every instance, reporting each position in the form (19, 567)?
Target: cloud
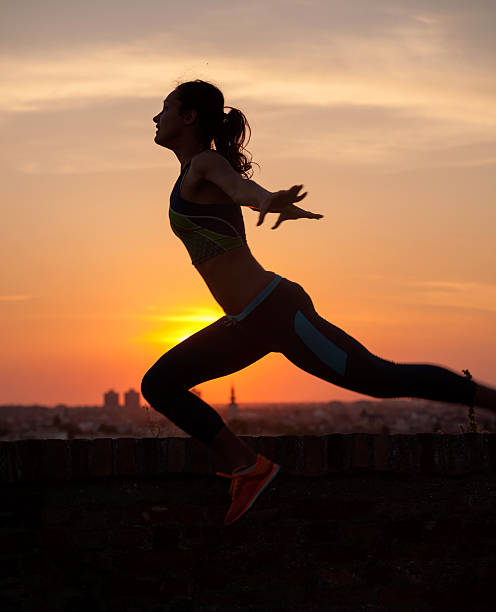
(371, 82)
(15, 298)
(349, 70)
(363, 53)
(450, 294)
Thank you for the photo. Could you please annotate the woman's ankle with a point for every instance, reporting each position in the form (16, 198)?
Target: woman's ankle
(233, 450)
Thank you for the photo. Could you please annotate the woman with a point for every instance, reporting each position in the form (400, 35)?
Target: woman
(264, 312)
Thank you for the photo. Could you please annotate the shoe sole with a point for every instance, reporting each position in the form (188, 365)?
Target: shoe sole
(270, 478)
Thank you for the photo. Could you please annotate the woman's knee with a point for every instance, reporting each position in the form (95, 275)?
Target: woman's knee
(159, 382)
(378, 378)
(147, 385)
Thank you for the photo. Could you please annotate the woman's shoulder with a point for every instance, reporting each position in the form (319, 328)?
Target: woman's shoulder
(206, 154)
(210, 160)
(196, 188)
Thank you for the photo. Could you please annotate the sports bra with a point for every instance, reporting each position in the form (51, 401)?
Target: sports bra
(205, 229)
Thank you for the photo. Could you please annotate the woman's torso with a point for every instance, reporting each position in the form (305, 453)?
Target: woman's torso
(234, 277)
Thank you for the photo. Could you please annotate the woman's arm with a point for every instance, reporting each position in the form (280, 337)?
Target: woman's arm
(250, 192)
(245, 192)
(215, 168)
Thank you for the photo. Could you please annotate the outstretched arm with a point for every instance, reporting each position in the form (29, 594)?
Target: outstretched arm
(245, 192)
(215, 168)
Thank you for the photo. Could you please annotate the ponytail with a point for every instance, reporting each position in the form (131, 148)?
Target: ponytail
(226, 130)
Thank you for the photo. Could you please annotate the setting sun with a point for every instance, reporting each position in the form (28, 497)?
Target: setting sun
(179, 327)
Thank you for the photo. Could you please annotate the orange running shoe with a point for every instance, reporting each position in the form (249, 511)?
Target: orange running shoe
(245, 488)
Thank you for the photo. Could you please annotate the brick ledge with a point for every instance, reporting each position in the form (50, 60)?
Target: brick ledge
(67, 460)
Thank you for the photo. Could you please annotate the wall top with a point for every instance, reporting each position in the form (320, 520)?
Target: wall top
(40, 460)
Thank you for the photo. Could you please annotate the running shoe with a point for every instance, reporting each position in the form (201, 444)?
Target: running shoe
(247, 486)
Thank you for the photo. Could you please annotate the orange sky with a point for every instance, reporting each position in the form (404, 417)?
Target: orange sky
(386, 114)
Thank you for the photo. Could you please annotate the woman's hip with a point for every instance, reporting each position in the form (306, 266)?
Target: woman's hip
(270, 317)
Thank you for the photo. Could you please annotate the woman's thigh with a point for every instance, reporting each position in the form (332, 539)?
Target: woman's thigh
(295, 329)
(212, 352)
(326, 351)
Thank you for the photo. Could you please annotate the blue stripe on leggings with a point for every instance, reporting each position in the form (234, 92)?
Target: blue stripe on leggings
(327, 351)
(257, 300)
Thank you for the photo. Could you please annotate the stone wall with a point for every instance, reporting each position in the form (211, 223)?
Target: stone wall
(351, 522)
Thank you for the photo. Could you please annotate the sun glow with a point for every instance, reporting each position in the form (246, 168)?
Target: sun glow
(180, 327)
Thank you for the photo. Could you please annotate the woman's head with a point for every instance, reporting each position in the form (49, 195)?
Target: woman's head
(202, 104)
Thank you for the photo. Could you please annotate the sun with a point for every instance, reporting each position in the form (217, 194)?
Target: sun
(180, 327)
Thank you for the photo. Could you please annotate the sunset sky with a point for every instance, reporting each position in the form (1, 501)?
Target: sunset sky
(385, 111)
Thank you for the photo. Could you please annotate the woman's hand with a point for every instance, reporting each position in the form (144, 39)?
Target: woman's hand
(282, 202)
(293, 212)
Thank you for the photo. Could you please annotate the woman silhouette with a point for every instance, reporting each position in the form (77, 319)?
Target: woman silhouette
(264, 311)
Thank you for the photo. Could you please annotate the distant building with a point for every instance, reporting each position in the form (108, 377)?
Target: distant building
(131, 400)
(111, 400)
(232, 411)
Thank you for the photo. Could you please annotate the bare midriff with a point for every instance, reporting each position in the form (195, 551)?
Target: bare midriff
(234, 277)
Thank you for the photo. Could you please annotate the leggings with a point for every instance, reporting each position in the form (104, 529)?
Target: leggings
(282, 318)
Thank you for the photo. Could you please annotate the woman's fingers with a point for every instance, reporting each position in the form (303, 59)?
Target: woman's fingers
(263, 212)
(280, 201)
(295, 213)
(295, 189)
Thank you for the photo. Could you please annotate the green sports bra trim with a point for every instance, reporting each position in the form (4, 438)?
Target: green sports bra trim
(221, 227)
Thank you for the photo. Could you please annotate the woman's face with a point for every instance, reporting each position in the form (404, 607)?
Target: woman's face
(167, 119)
(170, 122)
